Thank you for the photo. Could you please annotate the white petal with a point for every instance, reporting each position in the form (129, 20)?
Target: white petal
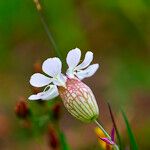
(39, 80)
(51, 93)
(35, 97)
(60, 80)
(87, 72)
(87, 60)
(52, 66)
(70, 73)
(46, 95)
(73, 57)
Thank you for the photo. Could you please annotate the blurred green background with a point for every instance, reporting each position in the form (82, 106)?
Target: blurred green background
(117, 31)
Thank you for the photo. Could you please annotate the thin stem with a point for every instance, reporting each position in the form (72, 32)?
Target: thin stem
(106, 134)
(104, 131)
(116, 147)
(46, 28)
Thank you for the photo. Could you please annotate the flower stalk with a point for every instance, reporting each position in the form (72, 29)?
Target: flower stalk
(46, 28)
(115, 146)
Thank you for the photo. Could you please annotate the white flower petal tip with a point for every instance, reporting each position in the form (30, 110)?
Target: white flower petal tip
(86, 62)
(39, 80)
(52, 66)
(88, 72)
(73, 57)
(34, 97)
(51, 93)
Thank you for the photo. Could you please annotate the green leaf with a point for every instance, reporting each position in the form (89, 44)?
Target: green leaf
(130, 133)
(64, 144)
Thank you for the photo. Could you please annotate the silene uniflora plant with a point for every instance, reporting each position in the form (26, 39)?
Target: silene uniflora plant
(77, 97)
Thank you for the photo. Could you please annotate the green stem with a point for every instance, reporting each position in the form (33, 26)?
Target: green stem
(104, 131)
(115, 146)
(47, 31)
(46, 28)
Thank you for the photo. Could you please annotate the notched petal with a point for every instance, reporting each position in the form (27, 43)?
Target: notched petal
(73, 57)
(52, 66)
(39, 80)
(86, 62)
(88, 72)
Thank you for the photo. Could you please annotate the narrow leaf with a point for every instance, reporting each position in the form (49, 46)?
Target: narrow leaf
(64, 144)
(130, 134)
(115, 126)
(113, 134)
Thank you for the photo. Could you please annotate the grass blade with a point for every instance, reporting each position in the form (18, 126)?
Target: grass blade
(115, 126)
(63, 141)
(130, 134)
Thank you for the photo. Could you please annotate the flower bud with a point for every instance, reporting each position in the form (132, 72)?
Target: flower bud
(21, 108)
(52, 138)
(79, 100)
(56, 111)
(37, 66)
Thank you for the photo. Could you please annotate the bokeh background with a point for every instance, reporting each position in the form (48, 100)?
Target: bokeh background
(117, 31)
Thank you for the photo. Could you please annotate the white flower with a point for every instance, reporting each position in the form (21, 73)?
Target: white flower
(77, 97)
(52, 67)
(82, 70)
